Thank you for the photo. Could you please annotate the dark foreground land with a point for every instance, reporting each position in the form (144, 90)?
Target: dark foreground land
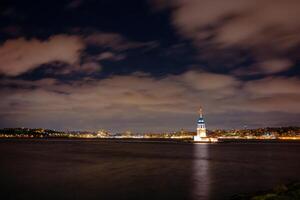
(280, 192)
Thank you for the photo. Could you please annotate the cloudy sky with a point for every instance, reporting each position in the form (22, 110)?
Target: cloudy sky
(149, 65)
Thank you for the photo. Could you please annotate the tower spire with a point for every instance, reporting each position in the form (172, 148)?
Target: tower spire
(200, 112)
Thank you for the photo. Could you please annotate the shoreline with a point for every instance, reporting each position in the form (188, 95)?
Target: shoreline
(155, 140)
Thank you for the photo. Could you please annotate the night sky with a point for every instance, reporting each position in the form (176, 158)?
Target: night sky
(149, 65)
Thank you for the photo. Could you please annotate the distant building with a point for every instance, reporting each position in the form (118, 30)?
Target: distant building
(102, 134)
(201, 130)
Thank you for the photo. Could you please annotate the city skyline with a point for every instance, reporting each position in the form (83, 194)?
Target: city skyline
(149, 65)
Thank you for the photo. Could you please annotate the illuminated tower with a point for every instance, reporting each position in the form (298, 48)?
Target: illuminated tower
(201, 130)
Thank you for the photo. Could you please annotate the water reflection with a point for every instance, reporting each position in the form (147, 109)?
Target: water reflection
(47, 169)
(95, 170)
(201, 174)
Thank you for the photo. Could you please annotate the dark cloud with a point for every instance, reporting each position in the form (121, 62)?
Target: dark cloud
(137, 97)
(274, 85)
(266, 67)
(116, 41)
(269, 29)
(110, 56)
(98, 65)
(21, 55)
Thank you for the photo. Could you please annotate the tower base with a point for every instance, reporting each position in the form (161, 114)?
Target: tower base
(205, 139)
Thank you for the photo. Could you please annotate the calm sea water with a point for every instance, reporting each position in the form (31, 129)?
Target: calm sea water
(89, 169)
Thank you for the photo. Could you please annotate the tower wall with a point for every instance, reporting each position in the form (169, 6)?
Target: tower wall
(201, 131)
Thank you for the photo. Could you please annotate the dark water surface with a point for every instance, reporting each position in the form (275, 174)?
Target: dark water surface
(91, 169)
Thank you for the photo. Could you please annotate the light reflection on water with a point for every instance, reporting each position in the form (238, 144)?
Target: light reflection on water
(66, 169)
(200, 175)
(222, 171)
